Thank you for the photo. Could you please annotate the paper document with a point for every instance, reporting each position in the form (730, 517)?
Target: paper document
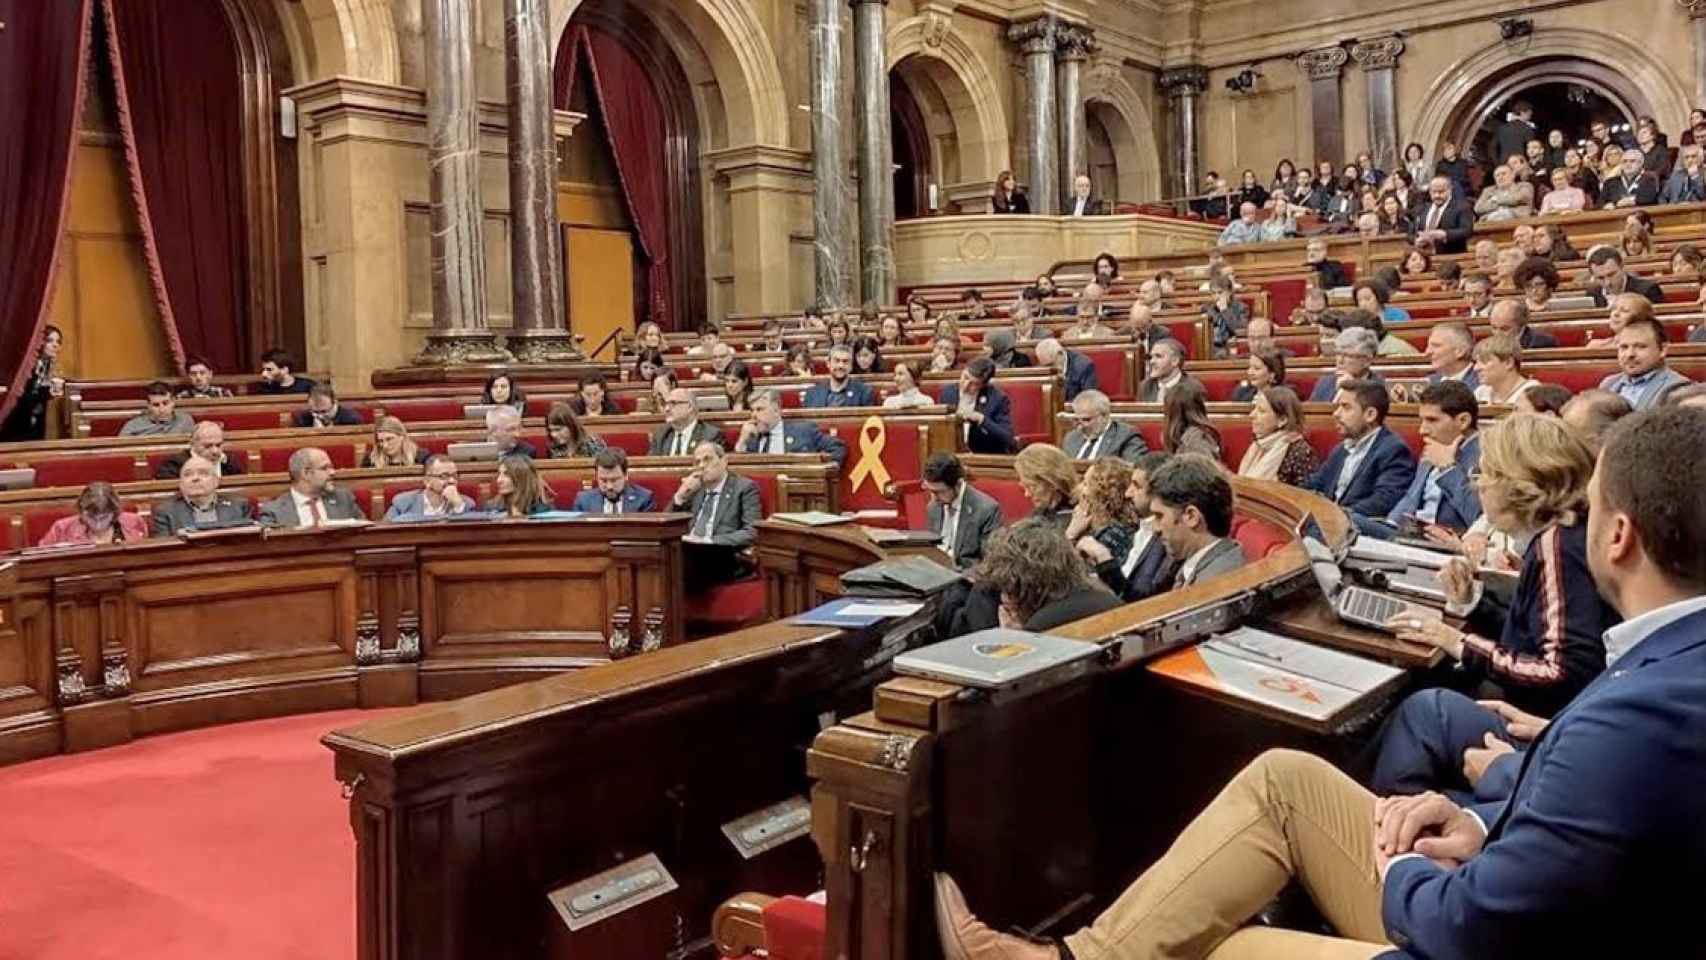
(1299, 678)
(1316, 662)
(873, 608)
(1385, 551)
(812, 518)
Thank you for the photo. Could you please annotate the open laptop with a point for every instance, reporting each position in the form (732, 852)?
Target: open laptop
(472, 450)
(17, 478)
(478, 411)
(990, 659)
(1353, 604)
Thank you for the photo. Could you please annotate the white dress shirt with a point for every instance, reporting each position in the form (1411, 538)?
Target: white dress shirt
(1139, 543)
(1195, 560)
(951, 523)
(306, 508)
(1619, 640)
(1357, 453)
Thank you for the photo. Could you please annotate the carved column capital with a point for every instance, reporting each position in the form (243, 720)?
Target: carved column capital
(1381, 53)
(1035, 36)
(1073, 42)
(1188, 81)
(1696, 9)
(1326, 63)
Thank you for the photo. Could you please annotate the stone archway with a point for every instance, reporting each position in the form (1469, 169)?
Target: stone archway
(1113, 104)
(961, 104)
(341, 38)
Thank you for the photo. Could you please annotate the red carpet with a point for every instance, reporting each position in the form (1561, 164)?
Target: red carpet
(227, 842)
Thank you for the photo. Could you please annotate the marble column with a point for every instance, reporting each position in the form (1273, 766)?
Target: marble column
(1326, 104)
(830, 184)
(1036, 38)
(459, 332)
(1379, 61)
(1696, 10)
(876, 153)
(535, 257)
(1074, 44)
(1185, 86)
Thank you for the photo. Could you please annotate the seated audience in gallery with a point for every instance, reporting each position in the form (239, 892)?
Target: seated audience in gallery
(1445, 221)
(1039, 580)
(983, 412)
(1632, 185)
(163, 416)
(1081, 203)
(437, 497)
(905, 393)
(565, 437)
(278, 375)
(726, 508)
(768, 432)
(198, 503)
(501, 388)
(1506, 199)
(1165, 371)
(1077, 371)
(207, 441)
(1008, 196)
(1643, 375)
(393, 446)
(1103, 514)
(1565, 196)
(1246, 229)
(1687, 183)
(100, 520)
(520, 490)
(1498, 362)
(323, 410)
(312, 500)
(1265, 367)
(1371, 468)
(1001, 346)
(503, 430)
(201, 385)
(1096, 434)
(961, 516)
(839, 389)
(1185, 426)
(612, 493)
(1279, 450)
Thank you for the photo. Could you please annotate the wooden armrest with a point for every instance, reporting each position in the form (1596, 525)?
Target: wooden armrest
(737, 928)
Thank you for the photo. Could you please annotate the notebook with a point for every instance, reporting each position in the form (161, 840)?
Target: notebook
(1299, 678)
(993, 658)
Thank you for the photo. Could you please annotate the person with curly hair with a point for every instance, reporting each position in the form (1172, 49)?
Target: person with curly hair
(1103, 514)
(1041, 580)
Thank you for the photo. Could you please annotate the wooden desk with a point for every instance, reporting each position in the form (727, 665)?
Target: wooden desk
(100, 645)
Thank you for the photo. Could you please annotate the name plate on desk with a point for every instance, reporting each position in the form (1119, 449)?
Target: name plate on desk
(601, 896)
(770, 827)
(1299, 679)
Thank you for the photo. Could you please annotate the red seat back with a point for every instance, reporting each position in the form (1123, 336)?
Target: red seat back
(1015, 504)
(1284, 296)
(1030, 419)
(1113, 372)
(38, 521)
(417, 411)
(79, 470)
(1259, 538)
(1220, 385)
(900, 456)
(277, 459)
(1184, 331)
(1323, 439)
(250, 419)
(633, 442)
(1235, 438)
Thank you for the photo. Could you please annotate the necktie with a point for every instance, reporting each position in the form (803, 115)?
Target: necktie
(1433, 216)
(950, 529)
(702, 525)
(1089, 449)
(764, 443)
(680, 443)
(612, 506)
(316, 512)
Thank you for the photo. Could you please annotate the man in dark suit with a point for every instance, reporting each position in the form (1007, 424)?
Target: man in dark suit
(1445, 221)
(207, 441)
(1511, 317)
(726, 509)
(1369, 472)
(767, 432)
(311, 501)
(1081, 203)
(1166, 370)
(1077, 370)
(199, 502)
(1190, 505)
(1601, 820)
(682, 429)
(1511, 138)
(613, 494)
(960, 514)
(1331, 272)
(1442, 493)
(984, 413)
(1451, 355)
(278, 375)
(503, 428)
(1146, 569)
(1632, 187)
(840, 390)
(1605, 265)
(323, 410)
(1098, 434)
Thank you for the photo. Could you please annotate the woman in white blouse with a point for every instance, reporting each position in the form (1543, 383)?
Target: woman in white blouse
(906, 393)
(1498, 361)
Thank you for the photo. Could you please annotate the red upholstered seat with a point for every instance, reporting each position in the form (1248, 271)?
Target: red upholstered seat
(79, 470)
(417, 411)
(914, 504)
(1411, 436)
(1284, 296)
(1258, 537)
(1113, 372)
(38, 522)
(434, 444)
(900, 456)
(277, 459)
(1015, 504)
(1151, 431)
(1235, 438)
(1030, 420)
(726, 606)
(1323, 439)
(662, 486)
(794, 929)
(633, 442)
(1303, 383)
(1220, 385)
(250, 419)
(1184, 331)
(1574, 377)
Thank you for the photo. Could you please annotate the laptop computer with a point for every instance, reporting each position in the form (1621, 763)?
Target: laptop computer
(995, 658)
(472, 450)
(1353, 604)
(711, 402)
(478, 411)
(17, 478)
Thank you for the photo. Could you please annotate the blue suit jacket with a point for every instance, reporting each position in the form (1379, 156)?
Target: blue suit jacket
(1471, 379)
(1459, 504)
(1380, 480)
(995, 433)
(1328, 385)
(858, 393)
(1080, 374)
(635, 499)
(803, 436)
(1599, 851)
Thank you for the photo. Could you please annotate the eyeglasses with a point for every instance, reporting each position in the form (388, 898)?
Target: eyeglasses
(442, 476)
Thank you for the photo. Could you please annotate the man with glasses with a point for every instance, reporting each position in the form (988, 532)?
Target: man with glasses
(438, 496)
(682, 430)
(1098, 434)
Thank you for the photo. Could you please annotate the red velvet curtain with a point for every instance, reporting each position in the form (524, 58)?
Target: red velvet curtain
(177, 71)
(43, 50)
(637, 132)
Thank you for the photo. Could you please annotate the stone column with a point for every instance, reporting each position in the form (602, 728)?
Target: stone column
(459, 333)
(536, 264)
(1073, 46)
(830, 184)
(876, 153)
(1326, 104)
(1379, 60)
(1696, 10)
(1185, 86)
(1037, 39)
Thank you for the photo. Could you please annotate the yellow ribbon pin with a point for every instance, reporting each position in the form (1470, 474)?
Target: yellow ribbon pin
(873, 437)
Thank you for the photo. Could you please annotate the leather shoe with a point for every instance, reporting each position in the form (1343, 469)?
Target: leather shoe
(964, 937)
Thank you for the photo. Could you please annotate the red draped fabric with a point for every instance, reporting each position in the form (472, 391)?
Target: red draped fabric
(177, 71)
(638, 130)
(43, 50)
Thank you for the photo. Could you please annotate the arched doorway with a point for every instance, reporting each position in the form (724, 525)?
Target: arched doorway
(1567, 94)
(911, 139)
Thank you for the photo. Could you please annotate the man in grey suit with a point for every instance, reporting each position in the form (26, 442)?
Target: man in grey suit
(1191, 504)
(1098, 434)
(199, 503)
(437, 497)
(726, 510)
(311, 501)
(682, 430)
(962, 516)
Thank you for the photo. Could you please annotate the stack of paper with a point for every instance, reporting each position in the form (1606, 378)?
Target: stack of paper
(1300, 678)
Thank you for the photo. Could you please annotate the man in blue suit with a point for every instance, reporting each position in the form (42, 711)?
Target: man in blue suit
(1076, 369)
(613, 494)
(840, 390)
(1596, 852)
(767, 432)
(1442, 493)
(984, 413)
(437, 497)
(1369, 472)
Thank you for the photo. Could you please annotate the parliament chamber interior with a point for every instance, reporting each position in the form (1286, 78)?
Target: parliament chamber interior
(872, 480)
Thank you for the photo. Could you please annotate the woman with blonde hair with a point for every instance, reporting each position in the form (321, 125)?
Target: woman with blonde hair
(521, 491)
(1279, 451)
(1498, 364)
(565, 437)
(1533, 483)
(1104, 515)
(1049, 480)
(393, 447)
(100, 520)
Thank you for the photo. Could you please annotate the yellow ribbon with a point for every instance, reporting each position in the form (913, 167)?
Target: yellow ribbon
(873, 437)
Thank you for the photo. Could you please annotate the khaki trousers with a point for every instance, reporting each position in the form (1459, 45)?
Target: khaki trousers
(1286, 815)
